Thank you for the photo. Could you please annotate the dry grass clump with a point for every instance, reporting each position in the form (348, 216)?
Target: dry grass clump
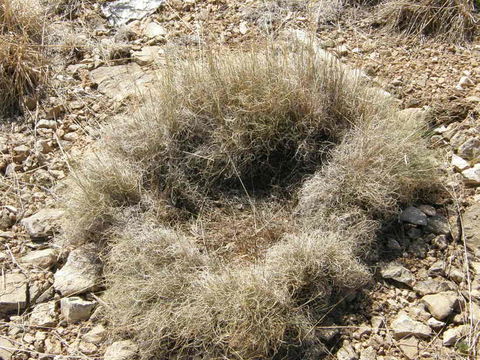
(450, 20)
(21, 59)
(226, 132)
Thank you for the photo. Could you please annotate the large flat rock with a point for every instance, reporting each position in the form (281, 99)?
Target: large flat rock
(81, 273)
(13, 293)
(122, 81)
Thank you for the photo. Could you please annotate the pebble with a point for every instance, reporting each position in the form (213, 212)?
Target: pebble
(459, 163)
(472, 175)
(430, 286)
(42, 259)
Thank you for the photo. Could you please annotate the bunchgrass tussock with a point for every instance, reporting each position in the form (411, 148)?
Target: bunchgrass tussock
(21, 56)
(252, 134)
(449, 20)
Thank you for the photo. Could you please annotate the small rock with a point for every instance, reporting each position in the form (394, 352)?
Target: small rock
(430, 286)
(404, 326)
(75, 309)
(471, 224)
(456, 275)
(96, 335)
(368, 354)
(398, 273)
(452, 336)
(347, 352)
(43, 259)
(147, 55)
(470, 149)
(474, 313)
(44, 315)
(409, 346)
(472, 175)
(87, 348)
(46, 124)
(437, 268)
(418, 248)
(53, 346)
(440, 242)
(7, 348)
(42, 224)
(413, 215)
(393, 244)
(13, 293)
(458, 163)
(121, 350)
(438, 225)
(441, 305)
(81, 273)
(428, 210)
(436, 324)
(153, 30)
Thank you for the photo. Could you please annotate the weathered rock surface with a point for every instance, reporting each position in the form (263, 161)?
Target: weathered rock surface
(471, 223)
(7, 348)
(81, 273)
(122, 81)
(413, 215)
(147, 55)
(43, 259)
(44, 315)
(441, 305)
(42, 224)
(13, 293)
(398, 273)
(431, 286)
(452, 336)
(121, 350)
(472, 175)
(438, 225)
(403, 326)
(75, 309)
(409, 347)
(120, 12)
(96, 335)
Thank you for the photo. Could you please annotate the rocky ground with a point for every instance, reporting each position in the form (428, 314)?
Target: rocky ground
(425, 303)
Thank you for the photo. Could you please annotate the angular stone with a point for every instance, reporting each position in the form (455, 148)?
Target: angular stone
(436, 324)
(459, 163)
(153, 30)
(403, 326)
(42, 259)
(7, 348)
(81, 273)
(452, 336)
(44, 315)
(368, 354)
(75, 309)
(121, 350)
(96, 335)
(398, 273)
(409, 347)
(42, 224)
(413, 215)
(441, 305)
(122, 81)
(470, 149)
(347, 352)
(438, 225)
(13, 293)
(472, 175)
(471, 224)
(147, 55)
(431, 286)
